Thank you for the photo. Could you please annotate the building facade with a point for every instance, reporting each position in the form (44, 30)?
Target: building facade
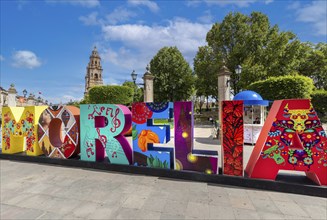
(94, 70)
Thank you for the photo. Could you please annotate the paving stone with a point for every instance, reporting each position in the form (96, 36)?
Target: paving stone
(199, 197)
(315, 211)
(42, 192)
(296, 217)
(178, 195)
(302, 199)
(217, 189)
(154, 204)
(265, 205)
(241, 202)
(218, 199)
(50, 215)
(85, 209)
(258, 194)
(177, 208)
(270, 215)
(245, 214)
(277, 196)
(115, 198)
(127, 213)
(171, 216)
(15, 200)
(134, 202)
(103, 212)
(197, 210)
(15, 212)
(290, 208)
(147, 214)
(221, 212)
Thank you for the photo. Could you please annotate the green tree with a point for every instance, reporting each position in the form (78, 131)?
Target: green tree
(319, 102)
(111, 95)
(173, 76)
(205, 69)
(250, 41)
(138, 92)
(314, 63)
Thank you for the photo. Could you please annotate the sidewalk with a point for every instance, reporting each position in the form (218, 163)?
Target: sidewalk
(33, 191)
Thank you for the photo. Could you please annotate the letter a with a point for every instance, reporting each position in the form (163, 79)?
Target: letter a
(292, 138)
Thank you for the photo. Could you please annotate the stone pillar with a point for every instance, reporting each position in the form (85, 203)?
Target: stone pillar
(224, 84)
(148, 85)
(223, 94)
(30, 100)
(12, 92)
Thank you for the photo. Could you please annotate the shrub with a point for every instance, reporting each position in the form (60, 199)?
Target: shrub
(111, 95)
(284, 87)
(319, 102)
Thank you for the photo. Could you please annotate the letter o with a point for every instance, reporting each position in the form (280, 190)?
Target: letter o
(58, 131)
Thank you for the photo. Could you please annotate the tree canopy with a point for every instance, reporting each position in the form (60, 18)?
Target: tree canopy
(111, 94)
(173, 75)
(138, 92)
(262, 50)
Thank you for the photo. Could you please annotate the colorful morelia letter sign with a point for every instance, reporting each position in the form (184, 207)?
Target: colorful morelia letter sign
(292, 138)
(19, 130)
(102, 133)
(147, 135)
(58, 131)
(188, 158)
(233, 137)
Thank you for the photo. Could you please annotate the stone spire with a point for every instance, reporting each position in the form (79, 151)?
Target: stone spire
(94, 70)
(148, 85)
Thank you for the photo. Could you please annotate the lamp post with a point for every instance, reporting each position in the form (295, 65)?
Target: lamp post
(148, 84)
(134, 77)
(39, 100)
(24, 93)
(238, 71)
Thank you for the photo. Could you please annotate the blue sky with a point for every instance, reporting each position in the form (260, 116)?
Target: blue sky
(45, 45)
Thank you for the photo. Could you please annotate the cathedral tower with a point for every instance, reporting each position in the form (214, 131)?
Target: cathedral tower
(94, 69)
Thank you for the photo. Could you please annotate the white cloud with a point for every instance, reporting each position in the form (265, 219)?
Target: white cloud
(269, 1)
(316, 14)
(151, 5)
(193, 3)
(2, 58)
(83, 3)
(142, 42)
(90, 19)
(120, 15)
(239, 3)
(294, 5)
(25, 59)
(206, 18)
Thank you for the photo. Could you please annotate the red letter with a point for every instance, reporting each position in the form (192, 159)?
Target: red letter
(292, 138)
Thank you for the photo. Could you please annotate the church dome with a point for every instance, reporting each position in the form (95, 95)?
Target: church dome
(251, 98)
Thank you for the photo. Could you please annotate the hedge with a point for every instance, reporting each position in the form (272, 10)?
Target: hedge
(283, 87)
(319, 102)
(111, 95)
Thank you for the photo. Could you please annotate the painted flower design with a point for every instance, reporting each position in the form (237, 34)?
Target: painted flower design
(140, 113)
(308, 161)
(292, 160)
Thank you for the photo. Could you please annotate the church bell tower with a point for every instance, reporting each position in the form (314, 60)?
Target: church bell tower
(94, 69)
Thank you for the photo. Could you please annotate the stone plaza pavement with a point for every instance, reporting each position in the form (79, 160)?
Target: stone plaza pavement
(35, 191)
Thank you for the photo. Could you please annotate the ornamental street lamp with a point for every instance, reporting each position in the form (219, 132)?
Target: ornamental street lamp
(134, 76)
(238, 69)
(232, 82)
(24, 93)
(39, 100)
